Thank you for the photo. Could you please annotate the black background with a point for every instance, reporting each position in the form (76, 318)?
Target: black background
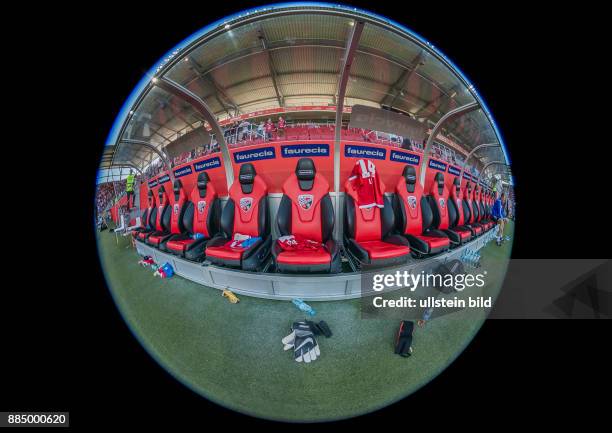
(543, 76)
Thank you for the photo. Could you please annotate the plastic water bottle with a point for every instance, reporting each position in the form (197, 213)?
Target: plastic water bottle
(303, 306)
(468, 258)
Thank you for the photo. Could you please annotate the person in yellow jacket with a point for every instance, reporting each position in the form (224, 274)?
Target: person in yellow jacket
(129, 188)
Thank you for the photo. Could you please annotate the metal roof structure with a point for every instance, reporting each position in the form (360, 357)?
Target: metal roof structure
(291, 55)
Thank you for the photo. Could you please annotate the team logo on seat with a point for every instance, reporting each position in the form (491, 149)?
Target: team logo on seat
(246, 203)
(176, 208)
(441, 202)
(201, 206)
(305, 201)
(412, 202)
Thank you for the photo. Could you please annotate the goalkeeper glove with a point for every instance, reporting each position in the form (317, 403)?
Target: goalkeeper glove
(303, 343)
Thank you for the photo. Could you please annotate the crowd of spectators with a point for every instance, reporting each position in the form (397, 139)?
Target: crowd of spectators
(245, 133)
(107, 194)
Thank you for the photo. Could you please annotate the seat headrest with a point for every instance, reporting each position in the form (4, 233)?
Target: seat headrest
(305, 172)
(457, 185)
(176, 187)
(203, 180)
(439, 180)
(246, 177)
(409, 174)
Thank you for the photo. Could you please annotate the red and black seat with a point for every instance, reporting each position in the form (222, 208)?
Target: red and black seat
(369, 231)
(175, 224)
(147, 220)
(162, 218)
(470, 211)
(477, 203)
(306, 211)
(484, 221)
(245, 214)
(201, 221)
(456, 213)
(439, 201)
(490, 201)
(485, 210)
(415, 217)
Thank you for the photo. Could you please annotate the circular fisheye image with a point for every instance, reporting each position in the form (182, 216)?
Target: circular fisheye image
(304, 212)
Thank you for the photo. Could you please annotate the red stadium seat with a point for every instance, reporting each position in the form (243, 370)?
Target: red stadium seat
(246, 214)
(415, 217)
(201, 217)
(484, 211)
(470, 211)
(369, 231)
(147, 221)
(476, 203)
(456, 213)
(162, 218)
(306, 211)
(440, 207)
(175, 226)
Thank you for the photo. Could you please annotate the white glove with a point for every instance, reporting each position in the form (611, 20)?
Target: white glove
(303, 343)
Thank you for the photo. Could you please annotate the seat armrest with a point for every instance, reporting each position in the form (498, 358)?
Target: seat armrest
(332, 247)
(217, 241)
(397, 240)
(195, 243)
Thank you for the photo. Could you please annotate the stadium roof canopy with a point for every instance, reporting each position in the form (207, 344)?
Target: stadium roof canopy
(292, 55)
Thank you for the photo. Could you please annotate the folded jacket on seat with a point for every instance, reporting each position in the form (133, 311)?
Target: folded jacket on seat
(241, 242)
(294, 243)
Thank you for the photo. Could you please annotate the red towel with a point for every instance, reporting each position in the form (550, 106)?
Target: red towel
(364, 179)
(295, 243)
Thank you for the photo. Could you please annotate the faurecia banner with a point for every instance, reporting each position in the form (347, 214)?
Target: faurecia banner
(184, 171)
(437, 165)
(254, 155)
(152, 183)
(454, 170)
(163, 179)
(405, 157)
(354, 151)
(468, 176)
(207, 164)
(304, 150)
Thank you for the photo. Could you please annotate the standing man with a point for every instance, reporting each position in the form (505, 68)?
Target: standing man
(269, 129)
(281, 126)
(129, 188)
(499, 216)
